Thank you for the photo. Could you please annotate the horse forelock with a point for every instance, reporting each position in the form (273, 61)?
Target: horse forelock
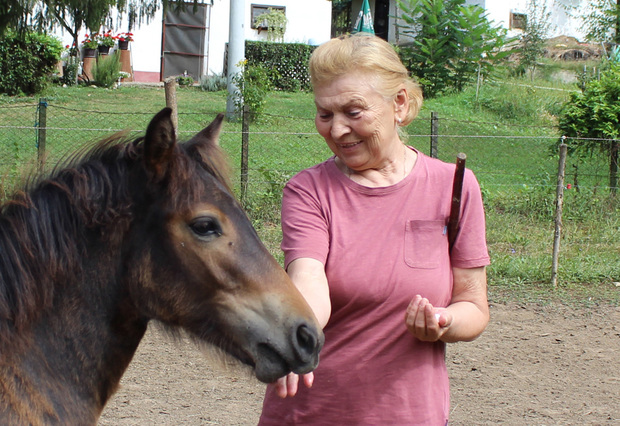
(44, 227)
(184, 187)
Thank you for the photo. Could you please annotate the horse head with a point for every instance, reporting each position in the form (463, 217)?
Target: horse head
(195, 261)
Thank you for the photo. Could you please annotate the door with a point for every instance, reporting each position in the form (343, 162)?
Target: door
(185, 41)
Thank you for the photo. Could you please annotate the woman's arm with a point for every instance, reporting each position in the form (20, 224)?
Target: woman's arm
(309, 277)
(463, 320)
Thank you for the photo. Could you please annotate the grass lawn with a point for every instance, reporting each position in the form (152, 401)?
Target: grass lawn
(507, 133)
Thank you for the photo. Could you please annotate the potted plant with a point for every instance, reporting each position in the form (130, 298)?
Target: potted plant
(123, 40)
(105, 42)
(90, 45)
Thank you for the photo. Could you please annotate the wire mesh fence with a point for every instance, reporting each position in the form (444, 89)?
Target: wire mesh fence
(280, 146)
(518, 164)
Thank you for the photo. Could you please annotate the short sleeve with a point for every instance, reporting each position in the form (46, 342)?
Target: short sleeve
(470, 247)
(304, 223)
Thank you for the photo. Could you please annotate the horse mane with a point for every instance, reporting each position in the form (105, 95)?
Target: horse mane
(44, 228)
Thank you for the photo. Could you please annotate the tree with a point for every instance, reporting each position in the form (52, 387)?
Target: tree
(594, 114)
(601, 19)
(534, 35)
(453, 43)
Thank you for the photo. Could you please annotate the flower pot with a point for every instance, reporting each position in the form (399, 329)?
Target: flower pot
(123, 44)
(103, 50)
(90, 53)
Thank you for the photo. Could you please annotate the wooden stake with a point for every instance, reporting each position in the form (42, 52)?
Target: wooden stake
(455, 208)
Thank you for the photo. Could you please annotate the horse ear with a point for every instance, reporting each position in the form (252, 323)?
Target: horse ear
(210, 134)
(159, 143)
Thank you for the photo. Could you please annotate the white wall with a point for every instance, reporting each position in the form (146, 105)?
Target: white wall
(308, 20)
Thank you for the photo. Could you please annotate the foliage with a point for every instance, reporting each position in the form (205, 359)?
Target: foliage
(185, 80)
(27, 61)
(288, 60)
(106, 71)
(70, 75)
(253, 85)
(594, 114)
(534, 35)
(106, 39)
(453, 43)
(90, 41)
(275, 21)
(213, 82)
(126, 36)
(601, 19)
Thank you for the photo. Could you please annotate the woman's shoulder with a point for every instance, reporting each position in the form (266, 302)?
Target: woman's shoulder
(315, 174)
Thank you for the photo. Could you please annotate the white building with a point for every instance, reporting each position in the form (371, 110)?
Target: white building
(196, 42)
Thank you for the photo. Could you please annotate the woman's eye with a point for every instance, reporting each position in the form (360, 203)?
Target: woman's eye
(206, 227)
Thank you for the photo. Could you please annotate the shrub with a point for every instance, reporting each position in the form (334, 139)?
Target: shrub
(253, 84)
(288, 60)
(106, 71)
(27, 62)
(213, 82)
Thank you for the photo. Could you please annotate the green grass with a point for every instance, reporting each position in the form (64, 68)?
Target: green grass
(506, 131)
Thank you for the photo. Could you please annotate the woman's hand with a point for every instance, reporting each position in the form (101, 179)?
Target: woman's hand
(464, 319)
(289, 384)
(426, 322)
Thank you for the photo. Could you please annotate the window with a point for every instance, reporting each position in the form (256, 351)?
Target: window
(518, 20)
(259, 9)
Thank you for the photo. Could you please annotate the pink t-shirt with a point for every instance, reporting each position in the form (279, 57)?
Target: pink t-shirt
(380, 247)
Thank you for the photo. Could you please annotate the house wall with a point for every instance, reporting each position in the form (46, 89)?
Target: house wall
(309, 21)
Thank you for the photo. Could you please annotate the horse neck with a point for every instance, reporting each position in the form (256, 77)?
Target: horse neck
(76, 330)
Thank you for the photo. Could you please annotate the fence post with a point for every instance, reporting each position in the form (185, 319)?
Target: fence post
(170, 88)
(245, 147)
(434, 134)
(558, 213)
(41, 132)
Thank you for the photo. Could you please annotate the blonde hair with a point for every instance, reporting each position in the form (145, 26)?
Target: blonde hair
(370, 54)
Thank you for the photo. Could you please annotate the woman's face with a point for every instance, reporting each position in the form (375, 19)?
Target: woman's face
(357, 122)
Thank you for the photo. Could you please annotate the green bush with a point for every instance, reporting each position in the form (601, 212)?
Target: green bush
(106, 71)
(27, 62)
(288, 60)
(253, 84)
(213, 83)
(453, 44)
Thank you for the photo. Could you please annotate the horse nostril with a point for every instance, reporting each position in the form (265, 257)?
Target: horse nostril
(307, 342)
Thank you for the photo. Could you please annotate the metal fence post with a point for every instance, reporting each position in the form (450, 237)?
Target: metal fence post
(434, 134)
(559, 202)
(41, 131)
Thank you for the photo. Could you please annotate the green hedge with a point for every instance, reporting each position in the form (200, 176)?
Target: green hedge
(290, 60)
(27, 61)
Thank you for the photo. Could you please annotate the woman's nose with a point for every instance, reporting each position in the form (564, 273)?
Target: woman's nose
(339, 127)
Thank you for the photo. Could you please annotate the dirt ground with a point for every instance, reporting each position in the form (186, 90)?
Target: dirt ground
(534, 365)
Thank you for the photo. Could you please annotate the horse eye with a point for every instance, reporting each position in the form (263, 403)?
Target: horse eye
(206, 227)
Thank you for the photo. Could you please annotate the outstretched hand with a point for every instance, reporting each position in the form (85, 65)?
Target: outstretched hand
(289, 384)
(426, 322)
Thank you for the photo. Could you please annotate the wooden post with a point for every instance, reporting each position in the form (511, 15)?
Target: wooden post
(170, 87)
(558, 213)
(245, 148)
(455, 208)
(434, 134)
(42, 132)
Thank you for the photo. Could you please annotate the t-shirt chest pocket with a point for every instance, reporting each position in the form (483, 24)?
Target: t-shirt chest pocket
(425, 243)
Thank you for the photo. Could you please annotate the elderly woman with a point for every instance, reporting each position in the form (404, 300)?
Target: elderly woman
(364, 237)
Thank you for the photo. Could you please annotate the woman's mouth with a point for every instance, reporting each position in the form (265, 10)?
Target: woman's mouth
(349, 145)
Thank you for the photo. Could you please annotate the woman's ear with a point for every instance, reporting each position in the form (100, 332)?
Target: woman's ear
(401, 104)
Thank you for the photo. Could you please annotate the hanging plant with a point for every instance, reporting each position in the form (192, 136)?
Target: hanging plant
(274, 21)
